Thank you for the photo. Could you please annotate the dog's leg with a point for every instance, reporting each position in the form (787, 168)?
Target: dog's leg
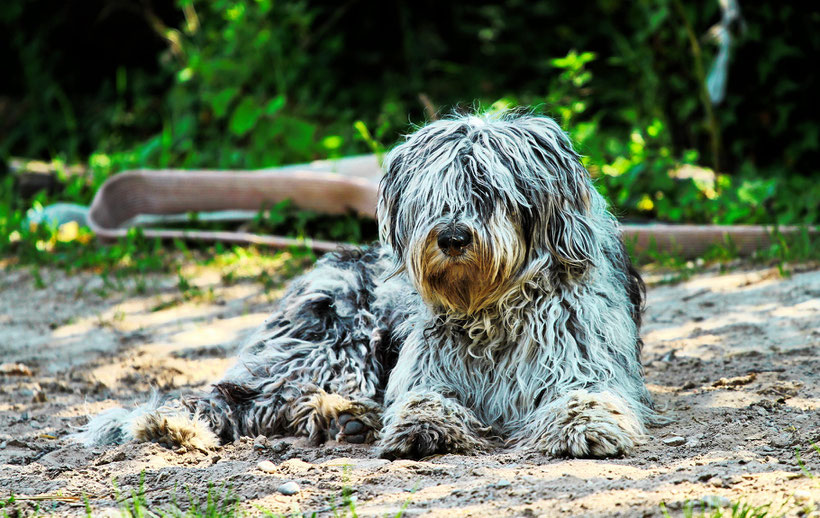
(584, 424)
(317, 368)
(281, 398)
(303, 410)
(174, 426)
(314, 368)
(161, 419)
(425, 423)
(230, 411)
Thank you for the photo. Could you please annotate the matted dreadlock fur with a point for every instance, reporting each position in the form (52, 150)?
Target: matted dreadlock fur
(500, 308)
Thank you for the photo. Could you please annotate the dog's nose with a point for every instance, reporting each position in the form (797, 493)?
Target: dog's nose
(454, 240)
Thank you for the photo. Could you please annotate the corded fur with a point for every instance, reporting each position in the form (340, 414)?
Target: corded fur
(529, 335)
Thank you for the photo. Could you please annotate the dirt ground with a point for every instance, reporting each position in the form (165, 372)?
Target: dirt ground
(732, 357)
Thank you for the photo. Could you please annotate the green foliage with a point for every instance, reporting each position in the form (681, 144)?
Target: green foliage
(644, 179)
(219, 502)
(806, 472)
(737, 510)
(241, 74)
(285, 219)
(257, 83)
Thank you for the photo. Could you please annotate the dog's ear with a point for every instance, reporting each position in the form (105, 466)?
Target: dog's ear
(565, 227)
(389, 198)
(570, 236)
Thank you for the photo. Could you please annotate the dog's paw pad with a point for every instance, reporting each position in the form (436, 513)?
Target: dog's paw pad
(351, 425)
(349, 429)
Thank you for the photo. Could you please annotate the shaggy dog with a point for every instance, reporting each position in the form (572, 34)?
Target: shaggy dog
(500, 307)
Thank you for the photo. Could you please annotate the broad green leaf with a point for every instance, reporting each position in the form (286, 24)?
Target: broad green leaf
(274, 105)
(244, 117)
(221, 101)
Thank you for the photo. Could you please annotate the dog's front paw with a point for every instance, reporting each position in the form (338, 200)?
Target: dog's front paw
(426, 426)
(592, 425)
(331, 416)
(412, 440)
(175, 431)
(347, 428)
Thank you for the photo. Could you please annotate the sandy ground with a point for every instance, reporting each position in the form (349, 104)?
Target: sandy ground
(733, 358)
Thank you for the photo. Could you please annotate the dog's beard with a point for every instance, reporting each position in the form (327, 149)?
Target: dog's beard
(462, 284)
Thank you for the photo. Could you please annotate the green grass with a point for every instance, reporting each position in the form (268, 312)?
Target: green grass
(802, 465)
(737, 510)
(220, 502)
(785, 251)
(74, 248)
(124, 264)
(705, 508)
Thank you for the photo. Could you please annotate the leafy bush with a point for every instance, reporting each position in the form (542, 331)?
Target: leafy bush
(257, 83)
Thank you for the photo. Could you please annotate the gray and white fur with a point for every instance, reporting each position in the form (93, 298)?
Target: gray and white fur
(499, 309)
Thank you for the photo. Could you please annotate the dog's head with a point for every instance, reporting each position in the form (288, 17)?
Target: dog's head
(474, 205)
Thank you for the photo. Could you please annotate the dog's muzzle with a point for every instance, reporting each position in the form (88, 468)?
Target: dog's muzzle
(454, 240)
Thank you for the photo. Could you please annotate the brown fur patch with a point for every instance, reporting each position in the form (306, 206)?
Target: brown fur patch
(175, 431)
(464, 283)
(317, 411)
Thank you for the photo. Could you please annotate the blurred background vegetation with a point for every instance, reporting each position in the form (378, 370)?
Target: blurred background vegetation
(116, 84)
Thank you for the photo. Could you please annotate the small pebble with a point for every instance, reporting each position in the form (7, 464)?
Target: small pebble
(716, 481)
(674, 441)
(280, 447)
(503, 483)
(260, 443)
(782, 441)
(801, 496)
(15, 369)
(267, 466)
(716, 501)
(289, 488)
